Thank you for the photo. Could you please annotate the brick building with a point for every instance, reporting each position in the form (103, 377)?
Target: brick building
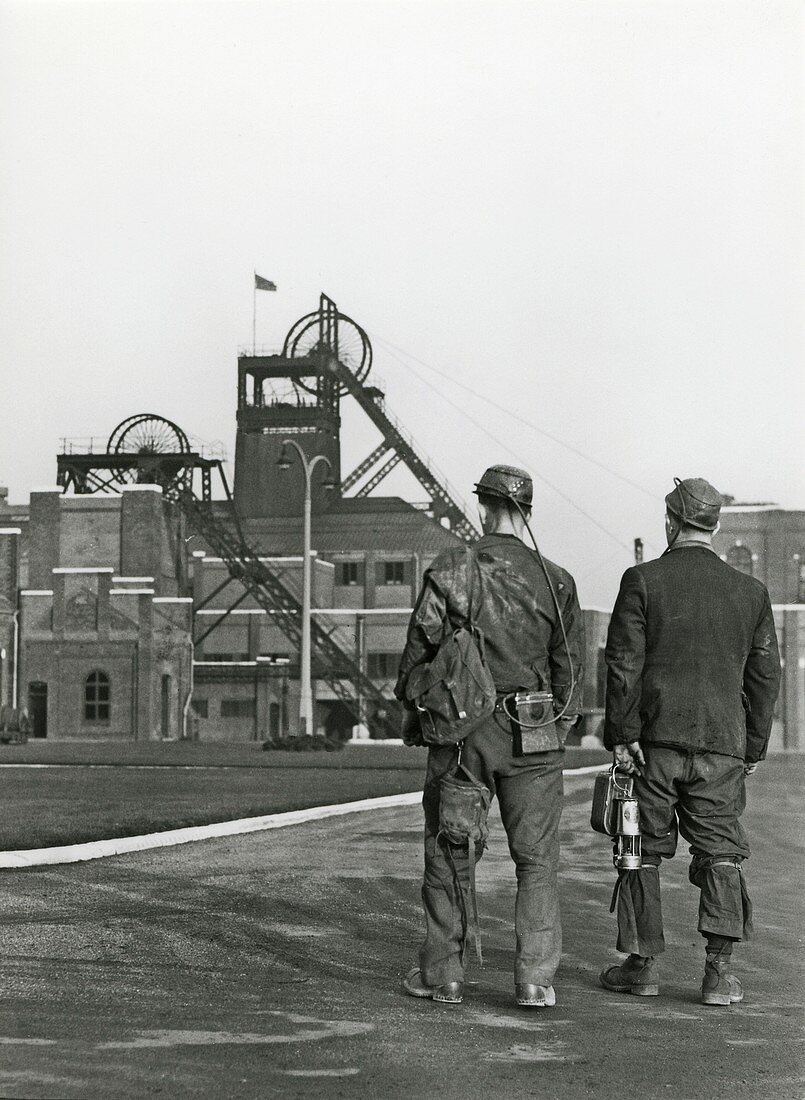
(767, 542)
(105, 616)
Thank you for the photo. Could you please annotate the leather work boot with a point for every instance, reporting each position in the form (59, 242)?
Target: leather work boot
(534, 996)
(451, 993)
(719, 987)
(638, 975)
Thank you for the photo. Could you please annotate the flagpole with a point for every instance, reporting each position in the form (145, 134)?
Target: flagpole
(254, 315)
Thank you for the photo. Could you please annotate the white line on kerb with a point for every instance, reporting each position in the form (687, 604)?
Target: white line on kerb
(101, 849)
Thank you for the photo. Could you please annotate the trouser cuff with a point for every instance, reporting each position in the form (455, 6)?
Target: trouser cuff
(640, 930)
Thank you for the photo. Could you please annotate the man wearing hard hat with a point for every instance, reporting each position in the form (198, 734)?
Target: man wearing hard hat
(693, 673)
(527, 612)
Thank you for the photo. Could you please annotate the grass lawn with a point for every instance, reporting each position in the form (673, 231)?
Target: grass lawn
(84, 791)
(49, 806)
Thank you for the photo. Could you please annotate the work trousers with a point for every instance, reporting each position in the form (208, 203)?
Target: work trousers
(529, 792)
(700, 795)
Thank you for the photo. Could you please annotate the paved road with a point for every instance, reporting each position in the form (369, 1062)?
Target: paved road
(269, 965)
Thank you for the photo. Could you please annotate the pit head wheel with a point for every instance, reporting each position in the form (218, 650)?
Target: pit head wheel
(354, 349)
(159, 444)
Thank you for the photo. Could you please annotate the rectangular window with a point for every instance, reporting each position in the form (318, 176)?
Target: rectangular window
(201, 708)
(225, 657)
(349, 573)
(237, 708)
(382, 666)
(393, 572)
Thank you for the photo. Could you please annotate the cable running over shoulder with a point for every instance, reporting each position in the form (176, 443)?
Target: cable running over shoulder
(572, 671)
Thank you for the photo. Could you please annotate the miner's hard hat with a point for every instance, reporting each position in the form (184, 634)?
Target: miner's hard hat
(694, 501)
(508, 482)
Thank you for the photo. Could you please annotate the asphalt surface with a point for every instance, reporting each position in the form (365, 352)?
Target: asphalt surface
(269, 965)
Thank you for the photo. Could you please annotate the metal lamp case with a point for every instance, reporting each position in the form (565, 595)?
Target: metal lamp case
(615, 812)
(604, 815)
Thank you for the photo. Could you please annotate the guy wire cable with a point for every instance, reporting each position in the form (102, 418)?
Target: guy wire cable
(521, 419)
(508, 449)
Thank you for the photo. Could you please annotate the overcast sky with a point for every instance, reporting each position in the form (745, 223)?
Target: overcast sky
(589, 213)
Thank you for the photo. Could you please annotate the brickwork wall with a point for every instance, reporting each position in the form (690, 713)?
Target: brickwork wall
(65, 668)
(44, 536)
(139, 639)
(775, 539)
(141, 538)
(89, 536)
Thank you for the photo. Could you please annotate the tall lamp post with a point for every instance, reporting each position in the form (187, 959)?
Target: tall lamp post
(308, 466)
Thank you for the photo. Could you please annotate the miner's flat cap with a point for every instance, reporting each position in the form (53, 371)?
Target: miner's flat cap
(695, 502)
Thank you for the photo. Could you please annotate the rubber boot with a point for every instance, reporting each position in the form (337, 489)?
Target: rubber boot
(719, 987)
(638, 975)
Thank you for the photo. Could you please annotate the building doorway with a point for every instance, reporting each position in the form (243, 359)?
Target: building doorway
(275, 730)
(38, 708)
(165, 708)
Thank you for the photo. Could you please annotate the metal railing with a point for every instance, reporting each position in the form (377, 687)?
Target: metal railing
(214, 449)
(247, 351)
(99, 445)
(83, 445)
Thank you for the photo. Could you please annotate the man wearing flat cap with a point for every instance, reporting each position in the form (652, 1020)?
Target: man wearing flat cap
(528, 613)
(693, 673)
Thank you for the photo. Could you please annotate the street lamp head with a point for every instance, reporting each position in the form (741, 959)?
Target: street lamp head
(284, 461)
(328, 485)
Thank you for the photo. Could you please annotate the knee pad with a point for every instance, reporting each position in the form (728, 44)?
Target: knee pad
(701, 866)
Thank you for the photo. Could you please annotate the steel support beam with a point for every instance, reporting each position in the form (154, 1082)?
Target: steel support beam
(365, 466)
(379, 475)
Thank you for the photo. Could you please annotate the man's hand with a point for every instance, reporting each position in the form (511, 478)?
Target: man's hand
(564, 726)
(629, 758)
(750, 769)
(411, 731)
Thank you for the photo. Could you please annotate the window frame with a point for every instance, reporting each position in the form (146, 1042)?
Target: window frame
(349, 574)
(382, 665)
(97, 702)
(392, 567)
(238, 708)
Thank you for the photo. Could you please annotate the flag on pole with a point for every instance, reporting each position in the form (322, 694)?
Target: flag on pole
(263, 284)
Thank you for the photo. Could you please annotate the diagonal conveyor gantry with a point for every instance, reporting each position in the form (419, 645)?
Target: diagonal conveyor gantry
(336, 667)
(443, 500)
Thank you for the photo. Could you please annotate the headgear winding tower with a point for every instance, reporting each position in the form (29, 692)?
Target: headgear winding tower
(289, 396)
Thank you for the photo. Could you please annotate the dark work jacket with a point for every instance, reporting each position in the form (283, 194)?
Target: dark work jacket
(512, 605)
(692, 657)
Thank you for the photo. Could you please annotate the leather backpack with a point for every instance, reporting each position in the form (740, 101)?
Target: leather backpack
(455, 691)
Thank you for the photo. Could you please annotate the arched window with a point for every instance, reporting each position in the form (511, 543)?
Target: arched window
(740, 558)
(96, 697)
